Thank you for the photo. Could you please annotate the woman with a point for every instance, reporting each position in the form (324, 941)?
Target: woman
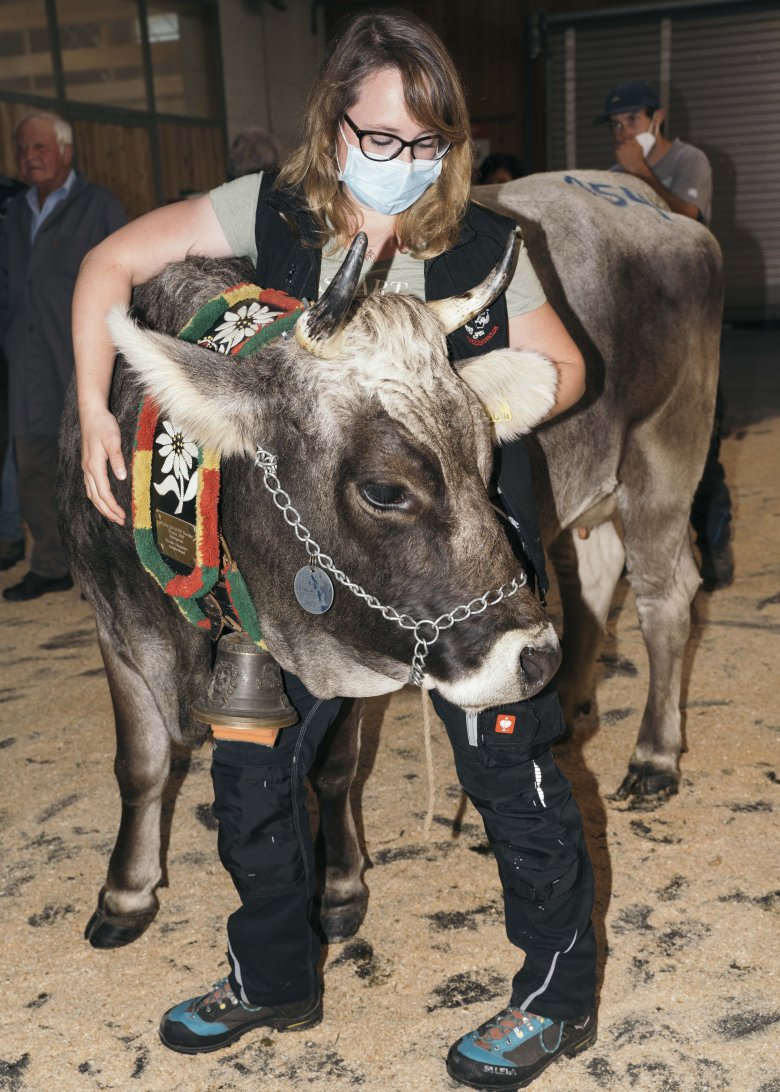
(387, 152)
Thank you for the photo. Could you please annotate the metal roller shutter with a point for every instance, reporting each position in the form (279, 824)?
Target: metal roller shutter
(717, 70)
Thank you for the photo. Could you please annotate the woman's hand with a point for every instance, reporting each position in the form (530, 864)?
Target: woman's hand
(107, 277)
(101, 446)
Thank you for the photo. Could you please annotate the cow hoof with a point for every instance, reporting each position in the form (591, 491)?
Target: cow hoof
(342, 922)
(105, 932)
(648, 787)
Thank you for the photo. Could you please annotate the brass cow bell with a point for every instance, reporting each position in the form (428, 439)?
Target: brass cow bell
(245, 689)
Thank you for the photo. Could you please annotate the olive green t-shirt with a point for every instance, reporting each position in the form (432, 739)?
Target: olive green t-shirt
(235, 204)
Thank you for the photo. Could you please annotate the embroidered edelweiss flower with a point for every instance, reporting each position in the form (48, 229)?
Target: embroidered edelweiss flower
(177, 452)
(208, 342)
(238, 325)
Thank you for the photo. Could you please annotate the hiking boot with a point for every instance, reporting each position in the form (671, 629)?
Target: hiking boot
(717, 568)
(219, 1017)
(514, 1047)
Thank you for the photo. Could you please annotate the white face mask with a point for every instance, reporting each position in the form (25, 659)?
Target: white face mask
(387, 185)
(646, 141)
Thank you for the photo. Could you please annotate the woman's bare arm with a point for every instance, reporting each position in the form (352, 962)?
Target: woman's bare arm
(542, 331)
(108, 275)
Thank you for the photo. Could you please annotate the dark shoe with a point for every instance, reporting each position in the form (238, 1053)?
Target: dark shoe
(31, 586)
(717, 568)
(218, 1018)
(11, 552)
(514, 1047)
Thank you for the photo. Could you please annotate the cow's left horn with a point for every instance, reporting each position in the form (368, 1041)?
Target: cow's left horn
(319, 328)
(456, 311)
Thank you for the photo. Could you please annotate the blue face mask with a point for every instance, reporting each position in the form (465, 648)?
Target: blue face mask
(387, 186)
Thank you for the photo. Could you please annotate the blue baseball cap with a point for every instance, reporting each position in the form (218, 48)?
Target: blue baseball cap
(631, 95)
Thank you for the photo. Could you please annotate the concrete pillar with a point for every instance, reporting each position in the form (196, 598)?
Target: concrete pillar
(269, 58)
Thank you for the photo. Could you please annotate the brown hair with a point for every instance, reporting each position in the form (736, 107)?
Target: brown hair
(435, 98)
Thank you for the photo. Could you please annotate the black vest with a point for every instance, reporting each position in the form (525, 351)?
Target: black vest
(283, 228)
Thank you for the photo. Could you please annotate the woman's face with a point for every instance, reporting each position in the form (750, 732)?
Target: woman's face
(381, 107)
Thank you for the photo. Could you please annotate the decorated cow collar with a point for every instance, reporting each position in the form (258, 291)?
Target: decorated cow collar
(176, 483)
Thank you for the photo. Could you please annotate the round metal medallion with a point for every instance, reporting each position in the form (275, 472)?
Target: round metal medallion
(313, 589)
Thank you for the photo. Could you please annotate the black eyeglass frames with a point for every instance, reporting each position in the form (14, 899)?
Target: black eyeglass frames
(383, 146)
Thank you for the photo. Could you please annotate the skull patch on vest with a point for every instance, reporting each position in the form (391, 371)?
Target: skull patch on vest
(479, 331)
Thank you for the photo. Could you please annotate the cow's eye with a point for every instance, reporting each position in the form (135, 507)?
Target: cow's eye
(384, 495)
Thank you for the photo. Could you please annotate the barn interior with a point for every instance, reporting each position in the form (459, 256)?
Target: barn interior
(687, 891)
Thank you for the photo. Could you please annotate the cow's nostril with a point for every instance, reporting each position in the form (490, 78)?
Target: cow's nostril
(532, 669)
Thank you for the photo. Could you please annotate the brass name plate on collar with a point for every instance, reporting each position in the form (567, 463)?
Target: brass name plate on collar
(176, 538)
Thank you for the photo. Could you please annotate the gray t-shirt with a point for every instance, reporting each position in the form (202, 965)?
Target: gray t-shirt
(235, 204)
(686, 172)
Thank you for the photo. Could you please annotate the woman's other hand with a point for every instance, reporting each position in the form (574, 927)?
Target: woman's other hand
(101, 447)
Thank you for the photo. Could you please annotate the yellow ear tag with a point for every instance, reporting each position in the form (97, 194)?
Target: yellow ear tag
(501, 415)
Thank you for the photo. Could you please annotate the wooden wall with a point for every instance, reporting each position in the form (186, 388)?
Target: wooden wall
(118, 157)
(192, 159)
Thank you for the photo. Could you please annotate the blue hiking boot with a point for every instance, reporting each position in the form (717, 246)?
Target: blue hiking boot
(514, 1047)
(219, 1017)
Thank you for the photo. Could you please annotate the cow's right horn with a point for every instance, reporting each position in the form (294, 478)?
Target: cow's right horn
(455, 311)
(319, 328)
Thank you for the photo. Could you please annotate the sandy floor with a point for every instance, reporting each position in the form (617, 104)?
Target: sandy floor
(688, 895)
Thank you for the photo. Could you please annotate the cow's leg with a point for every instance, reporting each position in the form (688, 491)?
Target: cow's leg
(587, 571)
(345, 897)
(664, 579)
(127, 902)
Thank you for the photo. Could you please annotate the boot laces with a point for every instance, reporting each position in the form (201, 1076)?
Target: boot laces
(220, 996)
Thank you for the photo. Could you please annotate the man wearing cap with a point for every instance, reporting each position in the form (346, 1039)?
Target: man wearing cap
(681, 174)
(677, 171)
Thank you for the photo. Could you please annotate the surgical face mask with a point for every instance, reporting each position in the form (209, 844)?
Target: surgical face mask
(387, 186)
(647, 139)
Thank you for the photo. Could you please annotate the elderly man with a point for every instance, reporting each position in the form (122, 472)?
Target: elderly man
(681, 174)
(48, 230)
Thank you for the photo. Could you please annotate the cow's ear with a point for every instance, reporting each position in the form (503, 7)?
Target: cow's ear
(212, 398)
(516, 387)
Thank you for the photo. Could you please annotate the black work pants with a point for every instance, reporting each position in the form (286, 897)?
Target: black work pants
(265, 844)
(503, 761)
(530, 818)
(36, 461)
(711, 510)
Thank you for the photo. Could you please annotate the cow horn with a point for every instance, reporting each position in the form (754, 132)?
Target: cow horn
(456, 311)
(319, 328)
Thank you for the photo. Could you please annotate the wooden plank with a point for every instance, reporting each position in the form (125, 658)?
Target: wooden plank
(118, 157)
(193, 159)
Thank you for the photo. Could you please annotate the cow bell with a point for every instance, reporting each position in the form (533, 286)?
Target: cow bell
(245, 689)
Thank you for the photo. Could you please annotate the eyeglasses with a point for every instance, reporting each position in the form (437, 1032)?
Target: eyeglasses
(383, 146)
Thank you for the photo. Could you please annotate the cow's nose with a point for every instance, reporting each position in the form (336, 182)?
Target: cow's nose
(538, 665)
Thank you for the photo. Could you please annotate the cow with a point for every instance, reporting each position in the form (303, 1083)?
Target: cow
(383, 452)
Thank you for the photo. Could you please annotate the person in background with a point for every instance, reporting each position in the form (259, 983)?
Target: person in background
(11, 531)
(48, 230)
(681, 174)
(252, 150)
(499, 167)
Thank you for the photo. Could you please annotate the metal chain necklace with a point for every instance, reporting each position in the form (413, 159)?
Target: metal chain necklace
(266, 462)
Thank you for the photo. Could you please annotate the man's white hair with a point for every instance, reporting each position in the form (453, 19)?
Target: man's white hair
(62, 129)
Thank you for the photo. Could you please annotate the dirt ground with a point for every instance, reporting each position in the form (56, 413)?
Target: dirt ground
(688, 894)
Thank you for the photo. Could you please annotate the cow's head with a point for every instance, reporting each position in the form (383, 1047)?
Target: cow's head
(385, 453)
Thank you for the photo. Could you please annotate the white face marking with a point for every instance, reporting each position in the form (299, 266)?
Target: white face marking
(499, 681)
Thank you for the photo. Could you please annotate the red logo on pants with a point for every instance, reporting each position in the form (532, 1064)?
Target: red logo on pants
(505, 724)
